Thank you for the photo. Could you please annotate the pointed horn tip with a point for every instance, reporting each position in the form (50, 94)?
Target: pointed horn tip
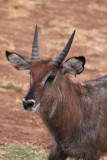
(74, 31)
(73, 34)
(36, 26)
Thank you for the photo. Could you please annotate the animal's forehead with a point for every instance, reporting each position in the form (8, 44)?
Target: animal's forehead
(40, 69)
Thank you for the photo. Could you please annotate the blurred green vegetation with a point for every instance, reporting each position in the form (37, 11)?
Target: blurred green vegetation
(10, 86)
(22, 152)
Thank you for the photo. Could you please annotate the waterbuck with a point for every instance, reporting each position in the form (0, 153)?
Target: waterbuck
(75, 113)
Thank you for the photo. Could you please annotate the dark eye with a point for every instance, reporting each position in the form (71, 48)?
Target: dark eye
(50, 78)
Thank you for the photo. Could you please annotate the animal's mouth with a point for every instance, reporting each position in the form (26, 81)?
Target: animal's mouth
(30, 105)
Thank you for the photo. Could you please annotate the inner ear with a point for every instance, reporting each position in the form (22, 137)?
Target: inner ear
(80, 58)
(74, 65)
(18, 61)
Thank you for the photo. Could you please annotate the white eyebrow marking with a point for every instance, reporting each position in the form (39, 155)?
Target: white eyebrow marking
(45, 78)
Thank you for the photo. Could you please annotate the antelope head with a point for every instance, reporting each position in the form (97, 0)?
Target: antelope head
(45, 75)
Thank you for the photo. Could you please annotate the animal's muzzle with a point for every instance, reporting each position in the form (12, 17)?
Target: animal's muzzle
(28, 104)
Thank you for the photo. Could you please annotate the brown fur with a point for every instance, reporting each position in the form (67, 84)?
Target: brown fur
(76, 114)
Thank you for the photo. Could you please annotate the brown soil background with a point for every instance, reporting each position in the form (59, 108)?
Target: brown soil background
(56, 21)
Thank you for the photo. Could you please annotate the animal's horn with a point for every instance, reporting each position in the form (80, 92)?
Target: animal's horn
(58, 60)
(35, 51)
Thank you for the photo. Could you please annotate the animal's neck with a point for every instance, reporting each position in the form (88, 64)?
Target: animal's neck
(64, 113)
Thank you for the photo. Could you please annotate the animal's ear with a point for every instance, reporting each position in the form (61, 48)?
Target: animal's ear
(18, 61)
(74, 65)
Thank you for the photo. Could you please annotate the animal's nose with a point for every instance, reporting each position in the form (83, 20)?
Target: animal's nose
(28, 104)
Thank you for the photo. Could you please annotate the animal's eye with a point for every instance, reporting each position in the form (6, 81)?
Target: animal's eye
(50, 78)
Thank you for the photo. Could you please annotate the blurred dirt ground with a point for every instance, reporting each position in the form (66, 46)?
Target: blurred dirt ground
(56, 21)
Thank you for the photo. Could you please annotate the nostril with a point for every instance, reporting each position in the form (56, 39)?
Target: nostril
(28, 104)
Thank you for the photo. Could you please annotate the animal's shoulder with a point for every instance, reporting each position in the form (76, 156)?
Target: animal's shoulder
(104, 79)
(96, 83)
